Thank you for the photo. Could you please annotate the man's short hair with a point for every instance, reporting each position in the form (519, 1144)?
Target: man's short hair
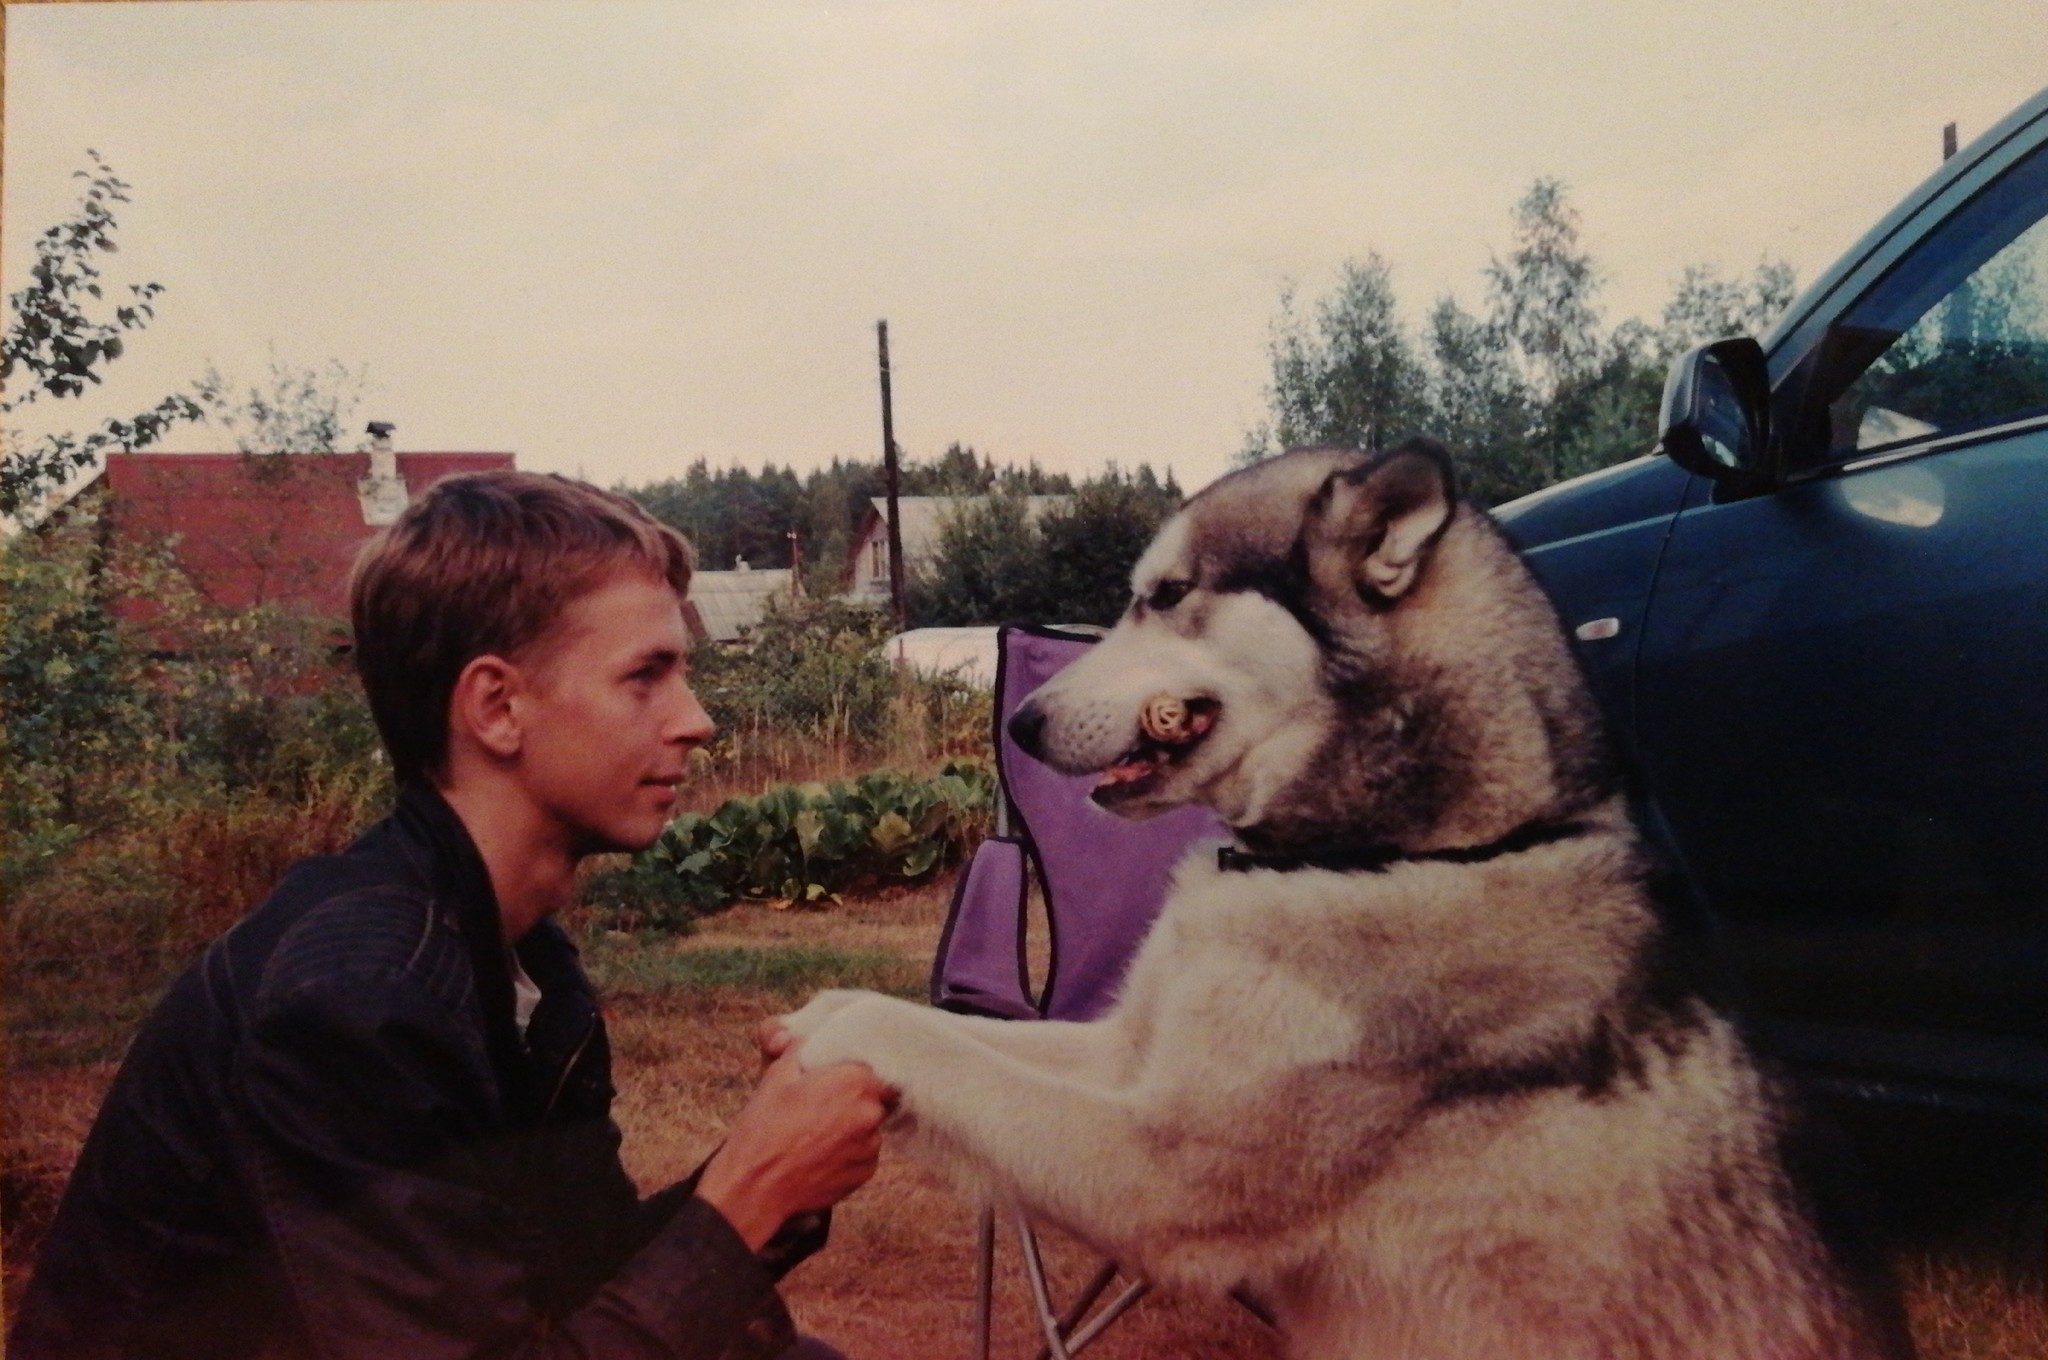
(483, 564)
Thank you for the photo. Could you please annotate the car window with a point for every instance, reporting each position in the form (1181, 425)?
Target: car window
(1978, 356)
(1953, 338)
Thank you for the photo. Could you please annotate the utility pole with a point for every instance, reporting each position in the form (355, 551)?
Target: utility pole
(889, 477)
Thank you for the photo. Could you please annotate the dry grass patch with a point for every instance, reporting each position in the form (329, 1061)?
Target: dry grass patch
(1965, 1308)
(44, 1118)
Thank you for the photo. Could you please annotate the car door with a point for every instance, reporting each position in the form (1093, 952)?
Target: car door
(1842, 686)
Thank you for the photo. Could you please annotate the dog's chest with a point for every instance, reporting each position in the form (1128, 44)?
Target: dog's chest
(1234, 978)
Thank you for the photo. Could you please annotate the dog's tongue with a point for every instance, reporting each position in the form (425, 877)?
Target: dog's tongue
(1125, 771)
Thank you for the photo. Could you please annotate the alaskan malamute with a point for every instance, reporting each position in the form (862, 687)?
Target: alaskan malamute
(1411, 1063)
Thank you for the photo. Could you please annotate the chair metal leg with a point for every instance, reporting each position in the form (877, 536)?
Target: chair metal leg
(1062, 1341)
(1114, 1309)
(1085, 1300)
(1041, 1295)
(1065, 1337)
(984, 1284)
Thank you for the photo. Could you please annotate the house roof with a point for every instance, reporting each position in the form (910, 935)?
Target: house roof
(262, 529)
(728, 601)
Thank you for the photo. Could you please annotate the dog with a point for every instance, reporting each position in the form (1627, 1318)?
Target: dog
(1412, 1063)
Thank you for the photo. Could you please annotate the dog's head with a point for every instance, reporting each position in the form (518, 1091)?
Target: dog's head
(1325, 644)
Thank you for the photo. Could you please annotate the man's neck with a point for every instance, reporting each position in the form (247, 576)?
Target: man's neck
(532, 873)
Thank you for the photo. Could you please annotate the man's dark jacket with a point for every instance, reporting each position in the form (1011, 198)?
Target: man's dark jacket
(332, 1139)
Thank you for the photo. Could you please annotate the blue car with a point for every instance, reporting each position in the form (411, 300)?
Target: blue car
(1817, 618)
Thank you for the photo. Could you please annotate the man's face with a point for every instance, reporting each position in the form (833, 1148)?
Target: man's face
(609, 719)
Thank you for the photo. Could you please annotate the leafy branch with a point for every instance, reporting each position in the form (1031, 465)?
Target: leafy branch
(62, 331)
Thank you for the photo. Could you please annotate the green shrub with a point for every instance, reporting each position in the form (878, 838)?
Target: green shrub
(813, 668)
(810, 691)
(262, 701)
(802, 844)
(74, 699)
(110, 724)
(644, 894)
(951, 715)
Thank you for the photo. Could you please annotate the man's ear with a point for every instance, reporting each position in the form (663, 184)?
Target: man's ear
(1370, 528)
(483, 710)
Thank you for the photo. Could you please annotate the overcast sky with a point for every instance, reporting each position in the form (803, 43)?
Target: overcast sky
(617, 237)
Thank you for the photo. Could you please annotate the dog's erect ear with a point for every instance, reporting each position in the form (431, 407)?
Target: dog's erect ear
(1370, 528)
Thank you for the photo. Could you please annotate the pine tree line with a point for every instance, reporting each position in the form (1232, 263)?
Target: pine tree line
(735, 513)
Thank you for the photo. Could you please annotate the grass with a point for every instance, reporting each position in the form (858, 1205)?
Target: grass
(897, 1279)
(1965, 1308)
(785, 971)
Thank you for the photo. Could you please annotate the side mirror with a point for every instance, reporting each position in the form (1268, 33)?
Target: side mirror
(1717, 411)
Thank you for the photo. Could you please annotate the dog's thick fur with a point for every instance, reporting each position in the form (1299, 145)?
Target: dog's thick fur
(1458, 1103)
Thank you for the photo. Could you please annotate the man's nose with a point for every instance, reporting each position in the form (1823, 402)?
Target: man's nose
(690, 724)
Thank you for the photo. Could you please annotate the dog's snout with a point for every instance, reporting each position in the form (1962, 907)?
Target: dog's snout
(1027, 729)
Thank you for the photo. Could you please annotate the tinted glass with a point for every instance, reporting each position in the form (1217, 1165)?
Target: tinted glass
(1954, 338)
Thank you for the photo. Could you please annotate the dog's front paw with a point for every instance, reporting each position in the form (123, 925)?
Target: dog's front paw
(856, 1027)
(808, 1020)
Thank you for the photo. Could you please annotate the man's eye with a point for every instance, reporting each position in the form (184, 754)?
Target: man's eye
(1167, 594)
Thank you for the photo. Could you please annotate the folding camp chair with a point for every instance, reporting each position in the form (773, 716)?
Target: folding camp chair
(1103, 881)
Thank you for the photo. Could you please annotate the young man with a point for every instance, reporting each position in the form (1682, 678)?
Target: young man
(373, 1119)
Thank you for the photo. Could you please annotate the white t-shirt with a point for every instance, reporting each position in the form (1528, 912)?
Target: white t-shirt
(525, 993)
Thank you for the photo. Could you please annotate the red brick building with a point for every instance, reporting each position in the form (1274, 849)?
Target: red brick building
(263, 529)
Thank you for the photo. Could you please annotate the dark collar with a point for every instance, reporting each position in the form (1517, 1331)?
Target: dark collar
(462, 881)
(1373, 859)
(451, 864)
(461, 884)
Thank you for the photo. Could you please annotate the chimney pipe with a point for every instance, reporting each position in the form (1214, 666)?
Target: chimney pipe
(383, 458)
(382, 493)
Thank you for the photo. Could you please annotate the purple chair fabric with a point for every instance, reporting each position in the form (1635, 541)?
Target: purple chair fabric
(980, 966)
(1104, 878)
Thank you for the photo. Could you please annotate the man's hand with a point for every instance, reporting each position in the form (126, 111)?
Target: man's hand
(805, 1141)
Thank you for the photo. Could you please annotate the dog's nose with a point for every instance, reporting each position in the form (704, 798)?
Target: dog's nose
(1027, 727)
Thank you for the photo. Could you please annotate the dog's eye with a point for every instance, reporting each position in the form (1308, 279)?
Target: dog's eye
(1167, 594)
